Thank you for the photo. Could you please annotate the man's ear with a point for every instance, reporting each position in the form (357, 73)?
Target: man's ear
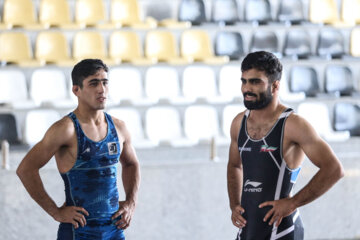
(75, 89)
(275, 86)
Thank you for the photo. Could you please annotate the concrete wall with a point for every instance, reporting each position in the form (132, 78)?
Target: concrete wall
(181, 198)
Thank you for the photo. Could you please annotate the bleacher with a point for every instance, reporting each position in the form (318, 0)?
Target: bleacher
(175, 65)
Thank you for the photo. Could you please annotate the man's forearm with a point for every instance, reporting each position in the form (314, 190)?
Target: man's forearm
(34, 186)
(234, 182)
(323, 180)
(131, 181)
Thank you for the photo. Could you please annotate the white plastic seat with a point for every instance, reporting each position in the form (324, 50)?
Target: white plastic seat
(162, 83)
(48, 87)
(37, 123)
(318, 116)
(230, 82)
(133, 122)
(13, 90)
(125, 84)
(229, 113)
(199, 83)
(201, 123)
(163, 125)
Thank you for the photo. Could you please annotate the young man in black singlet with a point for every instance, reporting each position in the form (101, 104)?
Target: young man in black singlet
(268, 145)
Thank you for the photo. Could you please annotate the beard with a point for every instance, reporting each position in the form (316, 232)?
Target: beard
(264, 100)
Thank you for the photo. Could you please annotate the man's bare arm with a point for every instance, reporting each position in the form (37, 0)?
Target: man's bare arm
(28, 172)
(130, 178)
(235, 176)
(320, 154)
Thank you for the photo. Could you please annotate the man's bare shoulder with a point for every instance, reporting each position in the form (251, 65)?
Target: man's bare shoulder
(62, 129)
(297, 127)
(235, 125)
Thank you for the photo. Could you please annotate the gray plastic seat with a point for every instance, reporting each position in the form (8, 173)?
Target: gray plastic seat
(291, 11)
(264, 41)
(304, 79)
(192, 11)
(257, 11)
(297, 44)
(347, 117)
(330, 43)
(339, 79)
(8, 128)
(229, 44)
(225, 11)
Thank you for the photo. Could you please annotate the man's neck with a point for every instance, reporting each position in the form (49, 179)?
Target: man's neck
(268, 112)
(89, 116)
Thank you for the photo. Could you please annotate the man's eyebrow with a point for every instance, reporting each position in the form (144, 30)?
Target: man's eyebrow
(97, 80)
(259, 79)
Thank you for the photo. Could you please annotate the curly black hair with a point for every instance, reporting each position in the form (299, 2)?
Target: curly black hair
(263, 61)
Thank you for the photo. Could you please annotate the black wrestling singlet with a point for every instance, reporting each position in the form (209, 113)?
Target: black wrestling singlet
(266, 177)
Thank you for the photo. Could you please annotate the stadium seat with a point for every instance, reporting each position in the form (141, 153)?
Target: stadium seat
(125, 46)
(55, 13)
(264, 41)
(331, 43)
(347, 117)
(13, 90)
(192, 11)
(125, 85)
(48, 88)
(291, 11)
(8, 128)
(230, 82)
(19, 13)
(201, 124)
(90, 13)
(317, 114)
(15, 48)
(161, 46)
(133, 123)
(163, 126)
(339, 80)
(89, 44)
(162, 84)
(355, 42)
(297, 44)
(258, 11)
(52, 48)
(199, 83)
(229, 44)
(350, 11)
(229, 113)
(37, 122)
(126, 13)
(225, 11)
(304, 79)
(196, 46)
(285, 94)
(323, 11)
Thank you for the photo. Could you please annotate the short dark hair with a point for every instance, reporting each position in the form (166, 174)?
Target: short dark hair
(85, 68)
(263, 61)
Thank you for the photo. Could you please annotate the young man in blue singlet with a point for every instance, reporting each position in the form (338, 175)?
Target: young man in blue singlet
(88, 145)
(268, 145)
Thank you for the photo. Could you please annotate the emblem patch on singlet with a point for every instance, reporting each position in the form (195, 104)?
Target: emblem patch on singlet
(251, 186)
(266, 148)
(112, 147)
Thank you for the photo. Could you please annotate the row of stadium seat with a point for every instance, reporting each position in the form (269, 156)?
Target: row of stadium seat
(51, 47)
(196, 124)
(51, 87)
(127, 13)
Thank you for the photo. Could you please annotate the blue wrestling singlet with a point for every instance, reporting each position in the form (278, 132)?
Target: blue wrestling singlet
(91, 184)
(266, 177)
